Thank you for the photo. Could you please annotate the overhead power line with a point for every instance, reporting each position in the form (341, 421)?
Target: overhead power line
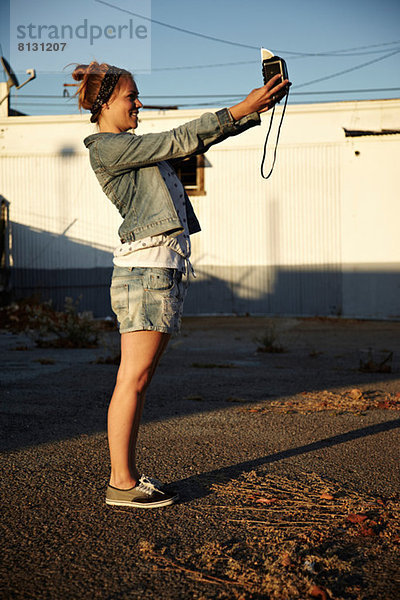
(253, 62)
(292, 93)
(354, 51)
(391, 89)
(230, 42)
(191, 67)
(218, 98)
(355, 68)
(181, 29)
(368, 46)
(365, 91)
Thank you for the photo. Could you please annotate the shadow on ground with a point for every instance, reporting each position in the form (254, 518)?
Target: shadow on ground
(212, 366)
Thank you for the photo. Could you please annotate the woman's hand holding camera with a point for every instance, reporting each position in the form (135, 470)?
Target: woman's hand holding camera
(261, 99)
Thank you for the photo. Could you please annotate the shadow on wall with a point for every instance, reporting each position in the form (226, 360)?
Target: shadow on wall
(55, 266)
(266, 290)
(361, 290)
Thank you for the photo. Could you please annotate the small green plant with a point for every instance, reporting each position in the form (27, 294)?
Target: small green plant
(314, 353)
(72, 329)
(113, 359)
(50, 328)
(195, 398)
(45, 361)
(269, 342)
(373, 361)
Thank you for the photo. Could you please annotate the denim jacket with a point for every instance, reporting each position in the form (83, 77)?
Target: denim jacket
(126, 167)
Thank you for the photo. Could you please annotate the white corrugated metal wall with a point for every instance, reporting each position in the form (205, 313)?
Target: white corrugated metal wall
(63, 228)
(305, 242)
(58, 197)
(264, 238)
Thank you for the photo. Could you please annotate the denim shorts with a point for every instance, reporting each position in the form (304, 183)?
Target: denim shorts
(148, 298)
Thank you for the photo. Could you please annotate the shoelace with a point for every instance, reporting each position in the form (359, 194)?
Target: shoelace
(150, 481)
(146, 488)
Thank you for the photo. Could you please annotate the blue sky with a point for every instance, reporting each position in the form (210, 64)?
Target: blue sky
(365, 29)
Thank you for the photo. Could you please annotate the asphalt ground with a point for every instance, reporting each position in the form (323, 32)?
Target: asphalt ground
(216, 428)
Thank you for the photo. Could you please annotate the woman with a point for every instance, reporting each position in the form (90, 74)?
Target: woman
(147, 290)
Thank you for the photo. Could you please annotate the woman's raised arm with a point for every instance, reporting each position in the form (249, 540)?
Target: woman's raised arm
(261, 99)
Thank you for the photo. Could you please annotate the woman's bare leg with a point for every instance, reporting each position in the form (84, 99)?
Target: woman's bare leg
(138, 414)
(140, 353)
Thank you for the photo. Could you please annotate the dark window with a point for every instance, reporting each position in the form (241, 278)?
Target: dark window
(191, 172)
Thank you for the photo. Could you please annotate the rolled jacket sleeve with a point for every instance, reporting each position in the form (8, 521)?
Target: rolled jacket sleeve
(232, 127)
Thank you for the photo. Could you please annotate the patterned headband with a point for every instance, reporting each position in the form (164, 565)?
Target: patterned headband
(107, 86)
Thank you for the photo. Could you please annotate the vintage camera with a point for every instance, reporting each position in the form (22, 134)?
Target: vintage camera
(273, 65)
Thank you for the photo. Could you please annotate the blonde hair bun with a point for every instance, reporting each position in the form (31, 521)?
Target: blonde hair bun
(79, 72)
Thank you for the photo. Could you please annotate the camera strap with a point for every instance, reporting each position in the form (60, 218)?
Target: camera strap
(277, 139)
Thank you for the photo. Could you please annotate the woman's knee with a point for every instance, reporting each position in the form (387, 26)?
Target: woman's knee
(137, 381)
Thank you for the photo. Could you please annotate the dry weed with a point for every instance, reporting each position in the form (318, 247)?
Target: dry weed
(292, 539)
(348, 400)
